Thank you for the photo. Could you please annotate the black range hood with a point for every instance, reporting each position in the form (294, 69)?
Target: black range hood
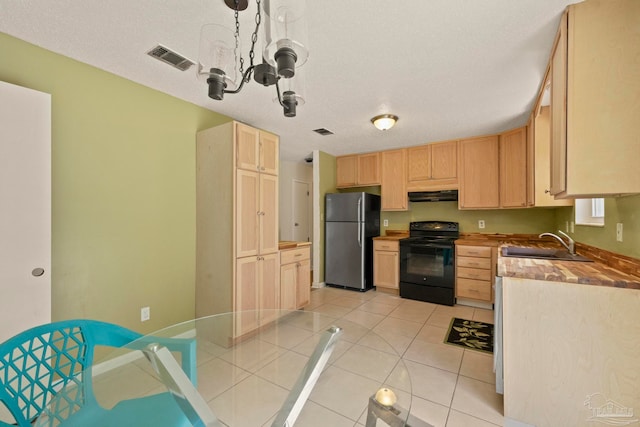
(433, 196)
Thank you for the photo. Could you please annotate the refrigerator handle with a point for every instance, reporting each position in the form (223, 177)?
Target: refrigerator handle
(360, 221)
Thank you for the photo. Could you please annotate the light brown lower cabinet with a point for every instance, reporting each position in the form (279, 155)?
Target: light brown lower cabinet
(475, 272)
(386, 264)
(256, 294)
(295, 278)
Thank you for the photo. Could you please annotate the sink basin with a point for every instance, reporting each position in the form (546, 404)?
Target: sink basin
(540, 253)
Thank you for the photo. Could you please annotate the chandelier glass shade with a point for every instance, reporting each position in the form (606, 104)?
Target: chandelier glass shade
(217, 57)
(283, 35)
(292, 92)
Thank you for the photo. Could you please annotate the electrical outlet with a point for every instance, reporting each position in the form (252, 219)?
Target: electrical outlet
(481, 223)
(573, 227)
(619, 232)
(145, 314)
(386, 222)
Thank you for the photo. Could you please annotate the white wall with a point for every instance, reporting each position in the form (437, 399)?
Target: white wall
(290, 172)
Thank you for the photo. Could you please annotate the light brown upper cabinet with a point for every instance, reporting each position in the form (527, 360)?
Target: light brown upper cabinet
(347, 171)
(369, 169)
(358, 170)
(393, 185)
(513, 168)
(257, 150)
(479, 173)
(433, 166)
(531, 164)
(595, 94)
(539, 159)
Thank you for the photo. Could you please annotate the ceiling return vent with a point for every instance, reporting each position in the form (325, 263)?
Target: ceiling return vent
(323, 131)
(170, 57)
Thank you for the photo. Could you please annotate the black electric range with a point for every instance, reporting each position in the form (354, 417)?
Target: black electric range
(427, 262)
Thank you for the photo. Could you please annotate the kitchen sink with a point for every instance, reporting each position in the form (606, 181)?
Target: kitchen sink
(540, 253)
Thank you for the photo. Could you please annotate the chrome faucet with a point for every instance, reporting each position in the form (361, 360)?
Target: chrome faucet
(571, 247)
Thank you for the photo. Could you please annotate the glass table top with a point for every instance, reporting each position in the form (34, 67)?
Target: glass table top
(300, 368)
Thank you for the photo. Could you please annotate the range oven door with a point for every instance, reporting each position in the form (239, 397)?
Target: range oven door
(427, 272)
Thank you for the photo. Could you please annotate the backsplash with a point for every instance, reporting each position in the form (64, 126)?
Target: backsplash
(524, 221)
(625, 210)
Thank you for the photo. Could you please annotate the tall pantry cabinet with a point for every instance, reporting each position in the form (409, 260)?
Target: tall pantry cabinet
(237, 263)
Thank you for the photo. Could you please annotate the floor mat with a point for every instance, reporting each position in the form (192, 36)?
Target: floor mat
(470, 334)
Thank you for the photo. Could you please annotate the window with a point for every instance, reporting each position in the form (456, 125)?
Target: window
(590, 212)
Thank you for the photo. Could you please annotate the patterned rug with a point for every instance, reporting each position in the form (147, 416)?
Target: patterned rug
(470, 334)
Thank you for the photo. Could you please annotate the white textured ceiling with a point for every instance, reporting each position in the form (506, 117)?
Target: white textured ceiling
(447, 68)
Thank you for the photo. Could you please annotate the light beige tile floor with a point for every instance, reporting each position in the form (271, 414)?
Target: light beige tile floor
(451, 386)
(390, 341)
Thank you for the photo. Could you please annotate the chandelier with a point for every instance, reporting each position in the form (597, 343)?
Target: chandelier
(284, 51)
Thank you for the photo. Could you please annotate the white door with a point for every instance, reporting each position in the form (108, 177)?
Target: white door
(301, 222)
(25, 209)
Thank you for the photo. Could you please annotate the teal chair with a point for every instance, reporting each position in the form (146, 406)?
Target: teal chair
(36, 364)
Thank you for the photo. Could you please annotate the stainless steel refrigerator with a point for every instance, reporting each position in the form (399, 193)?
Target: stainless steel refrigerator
(351, 222)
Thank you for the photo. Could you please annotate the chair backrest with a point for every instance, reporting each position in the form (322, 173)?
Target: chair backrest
(38, 362)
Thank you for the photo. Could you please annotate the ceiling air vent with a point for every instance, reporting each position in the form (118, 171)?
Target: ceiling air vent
(323, 131)
(170, 57)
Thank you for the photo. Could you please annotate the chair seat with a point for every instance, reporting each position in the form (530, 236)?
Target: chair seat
(158, 410)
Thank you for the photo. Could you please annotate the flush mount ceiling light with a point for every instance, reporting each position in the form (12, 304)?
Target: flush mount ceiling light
(220, 61)
(384, 121)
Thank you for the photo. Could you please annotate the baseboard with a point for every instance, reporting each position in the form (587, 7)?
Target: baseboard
(472, 303)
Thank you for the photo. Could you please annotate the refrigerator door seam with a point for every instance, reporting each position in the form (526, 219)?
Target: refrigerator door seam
(359, 221)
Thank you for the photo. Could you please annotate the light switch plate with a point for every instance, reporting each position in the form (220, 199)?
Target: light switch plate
(619, 232)
(145, 314)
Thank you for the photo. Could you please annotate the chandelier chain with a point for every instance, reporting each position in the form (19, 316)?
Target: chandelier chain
(237, 36)
(254, 36)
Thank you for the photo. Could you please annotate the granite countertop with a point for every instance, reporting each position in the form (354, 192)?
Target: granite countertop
(286, 244)
(587, 273)
(393, 235)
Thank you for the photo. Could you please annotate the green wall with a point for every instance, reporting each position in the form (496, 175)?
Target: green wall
(123, 190)
(526, 221)
(625, 210)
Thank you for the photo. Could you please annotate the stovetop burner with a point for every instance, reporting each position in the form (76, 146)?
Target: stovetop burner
(434, 226)
(440, 231)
